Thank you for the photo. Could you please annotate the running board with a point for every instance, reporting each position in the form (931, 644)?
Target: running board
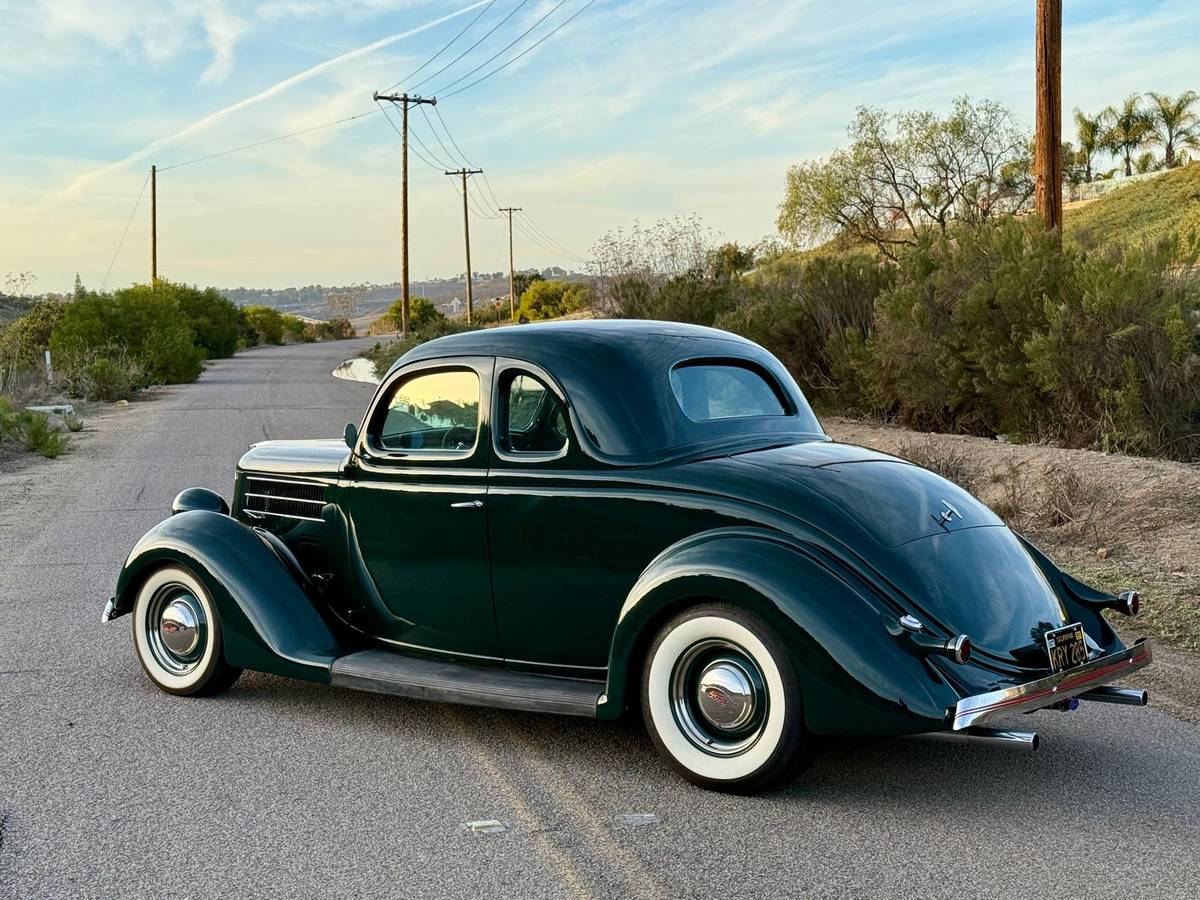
(429, 679)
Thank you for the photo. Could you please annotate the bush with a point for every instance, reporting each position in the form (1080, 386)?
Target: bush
(994, 330)
(552, 299)
(214, 320)
(336, 329)
(265, 322)
(296, 329)
(383, 355)
(147, 324)
(815, 314)
(40, 435)
(422, 314)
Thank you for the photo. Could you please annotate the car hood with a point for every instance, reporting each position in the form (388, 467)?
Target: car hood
(950, 555)
(320, 458)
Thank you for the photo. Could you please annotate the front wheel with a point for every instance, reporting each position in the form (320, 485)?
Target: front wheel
(177, 635)
(722, 702)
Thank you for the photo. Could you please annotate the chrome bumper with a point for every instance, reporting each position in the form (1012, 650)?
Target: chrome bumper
(1046, 691)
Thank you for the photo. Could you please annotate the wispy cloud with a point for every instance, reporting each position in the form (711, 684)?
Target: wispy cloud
(206, 122)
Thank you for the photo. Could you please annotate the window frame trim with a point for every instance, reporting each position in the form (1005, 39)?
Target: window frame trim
(371, 454)
(504, 366)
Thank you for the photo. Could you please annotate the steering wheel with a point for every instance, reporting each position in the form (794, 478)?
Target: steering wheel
(457, 438)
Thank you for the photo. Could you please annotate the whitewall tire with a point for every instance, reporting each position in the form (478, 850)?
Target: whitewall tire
(721, 700)
(177, 634)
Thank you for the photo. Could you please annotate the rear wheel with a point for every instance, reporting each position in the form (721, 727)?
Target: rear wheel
(177, 635)
(722, 702)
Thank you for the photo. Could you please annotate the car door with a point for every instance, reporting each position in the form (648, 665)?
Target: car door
(568, 536)
(416, 507)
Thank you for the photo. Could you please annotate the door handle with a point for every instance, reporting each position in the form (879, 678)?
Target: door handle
(467, 504)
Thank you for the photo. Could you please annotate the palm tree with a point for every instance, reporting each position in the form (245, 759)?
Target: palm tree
(1090, 131)
(1129, 129)
(1176, 124)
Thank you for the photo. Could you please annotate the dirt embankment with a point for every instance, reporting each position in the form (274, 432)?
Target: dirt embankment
(1113, 521)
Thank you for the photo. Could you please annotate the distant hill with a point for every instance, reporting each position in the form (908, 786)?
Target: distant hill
(12, 307)
(372, 300)
(1141, 212)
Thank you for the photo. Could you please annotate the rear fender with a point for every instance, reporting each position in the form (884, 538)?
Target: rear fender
(855, 678)
(268, 623)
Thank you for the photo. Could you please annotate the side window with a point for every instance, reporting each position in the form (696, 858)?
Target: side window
(434, 411)
(533, 419)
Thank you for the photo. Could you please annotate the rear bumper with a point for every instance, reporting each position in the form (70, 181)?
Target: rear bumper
(1049, 690)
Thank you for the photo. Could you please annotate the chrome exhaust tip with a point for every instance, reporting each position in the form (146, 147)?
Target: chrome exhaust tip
(1124, 696)
(996, 737)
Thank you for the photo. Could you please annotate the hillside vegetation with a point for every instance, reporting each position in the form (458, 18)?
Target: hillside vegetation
(1146, 211)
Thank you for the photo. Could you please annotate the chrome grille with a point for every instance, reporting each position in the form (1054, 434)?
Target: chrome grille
(292, 499)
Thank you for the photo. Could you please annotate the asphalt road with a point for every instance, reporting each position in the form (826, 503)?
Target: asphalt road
(109, 788)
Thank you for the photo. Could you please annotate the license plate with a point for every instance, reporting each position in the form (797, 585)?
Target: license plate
(1066, 647)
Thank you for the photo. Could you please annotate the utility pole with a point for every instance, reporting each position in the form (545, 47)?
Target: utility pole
(153, 226)
(467, 235)
(512, 300)
(1047, 148)
(405, 102)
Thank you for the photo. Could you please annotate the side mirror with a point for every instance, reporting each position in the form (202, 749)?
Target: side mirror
(350, 435)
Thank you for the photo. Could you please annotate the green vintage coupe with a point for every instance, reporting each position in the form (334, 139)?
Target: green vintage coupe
(590, 517)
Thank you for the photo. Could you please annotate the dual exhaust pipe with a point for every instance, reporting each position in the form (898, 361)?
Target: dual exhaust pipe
(1028, 740)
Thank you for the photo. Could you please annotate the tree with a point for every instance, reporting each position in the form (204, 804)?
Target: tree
(213, 318)
(909, 173)
(267, 323)
(1089, 131)
(730, 260)
(78, 291)
(1130, 128)
(522, 281)
(1175, 124)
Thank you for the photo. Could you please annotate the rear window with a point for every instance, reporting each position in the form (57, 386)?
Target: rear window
(711, 391)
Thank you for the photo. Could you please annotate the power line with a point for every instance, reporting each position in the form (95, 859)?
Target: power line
(528, 49)
(446, 47)
(555, 8)
(129, 221)
(441, 143)
(549, 237)
(271, 140)
(490, 32)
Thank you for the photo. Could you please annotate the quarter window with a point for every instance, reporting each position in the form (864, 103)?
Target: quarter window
(534, 418)
(436, 411)
(710, 391)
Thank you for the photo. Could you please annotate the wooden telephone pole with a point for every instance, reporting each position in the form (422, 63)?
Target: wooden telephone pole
(467, 236)
(405, 101)
(153, 226)
(512, 300)
(1047, 144)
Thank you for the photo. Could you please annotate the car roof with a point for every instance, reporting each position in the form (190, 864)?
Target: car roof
(616, 374)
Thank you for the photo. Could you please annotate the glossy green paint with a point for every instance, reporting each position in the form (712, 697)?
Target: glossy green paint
(267, 621)
(577, 557)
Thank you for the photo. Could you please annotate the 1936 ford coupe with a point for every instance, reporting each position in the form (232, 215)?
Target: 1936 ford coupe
(589, 517)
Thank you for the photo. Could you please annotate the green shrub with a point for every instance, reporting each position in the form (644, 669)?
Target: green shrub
(336, 329)
(815, 314)
(148, 324)
(296, 329)
(266, 323)
(73, 422)
(552, 299)
(383, 355)
(213, 319)
(110, 378)
(41, 435)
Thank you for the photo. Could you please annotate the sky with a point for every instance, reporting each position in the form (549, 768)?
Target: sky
(634, 111)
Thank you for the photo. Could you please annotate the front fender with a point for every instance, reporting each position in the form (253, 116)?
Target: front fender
(855, 678)
(267, 622)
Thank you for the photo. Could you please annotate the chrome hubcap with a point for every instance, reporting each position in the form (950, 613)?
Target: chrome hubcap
(176, 629)
(179, 627)
(725, 696)
(719, 697)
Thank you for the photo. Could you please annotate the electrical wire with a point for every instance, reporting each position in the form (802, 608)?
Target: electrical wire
(555, 8)
(528, 49)
(441, 143)
(128, 222)
(270, 140)
(445, 47)
(490, 32)
(554, 251)
(550, 238)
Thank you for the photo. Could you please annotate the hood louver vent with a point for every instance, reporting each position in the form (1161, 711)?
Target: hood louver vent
(291, 499)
